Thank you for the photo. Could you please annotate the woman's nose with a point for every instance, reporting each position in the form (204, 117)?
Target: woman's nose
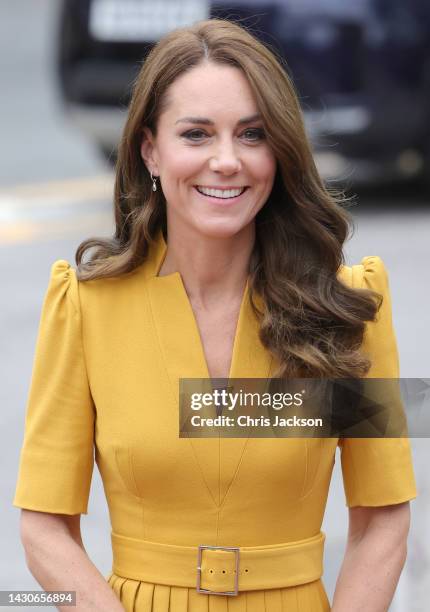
(225, 159)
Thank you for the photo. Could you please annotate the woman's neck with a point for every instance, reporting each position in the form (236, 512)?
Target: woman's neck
(211, 267)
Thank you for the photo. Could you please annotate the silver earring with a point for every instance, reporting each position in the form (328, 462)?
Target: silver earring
(154, 182)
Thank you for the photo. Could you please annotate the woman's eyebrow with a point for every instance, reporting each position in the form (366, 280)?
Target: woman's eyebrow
(205, 121)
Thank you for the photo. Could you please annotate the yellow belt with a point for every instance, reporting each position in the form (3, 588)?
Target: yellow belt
(219, 570)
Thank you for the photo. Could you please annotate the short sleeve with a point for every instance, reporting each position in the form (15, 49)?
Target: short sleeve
(377, 471)
(57, 455)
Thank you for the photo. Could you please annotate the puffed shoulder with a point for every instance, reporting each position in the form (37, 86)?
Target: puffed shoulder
(63, 282)
(379, 338)
(375, 275)
(59, 268)
(370, 273)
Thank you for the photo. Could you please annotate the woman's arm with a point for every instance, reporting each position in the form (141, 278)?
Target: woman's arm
(374, 558)
(57, 559)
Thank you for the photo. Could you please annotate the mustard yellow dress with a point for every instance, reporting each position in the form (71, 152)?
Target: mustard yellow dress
(104, 386)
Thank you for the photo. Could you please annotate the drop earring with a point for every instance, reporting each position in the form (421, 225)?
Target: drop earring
(154, 182)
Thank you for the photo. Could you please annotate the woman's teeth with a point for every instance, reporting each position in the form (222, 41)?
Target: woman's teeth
(221, 193)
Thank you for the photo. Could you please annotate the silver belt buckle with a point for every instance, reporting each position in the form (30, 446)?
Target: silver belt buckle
(199, 570)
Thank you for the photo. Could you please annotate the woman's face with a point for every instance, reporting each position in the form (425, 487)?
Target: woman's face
(209, 138)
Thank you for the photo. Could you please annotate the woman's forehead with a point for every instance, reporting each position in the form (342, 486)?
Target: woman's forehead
(200, 94)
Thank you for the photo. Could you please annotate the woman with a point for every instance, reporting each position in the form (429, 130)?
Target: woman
(226, 262)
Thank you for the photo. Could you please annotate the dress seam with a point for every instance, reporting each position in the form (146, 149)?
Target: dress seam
(140, 496)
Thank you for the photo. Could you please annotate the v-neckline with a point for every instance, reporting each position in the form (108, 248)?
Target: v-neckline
(179, 335)
(175, 278)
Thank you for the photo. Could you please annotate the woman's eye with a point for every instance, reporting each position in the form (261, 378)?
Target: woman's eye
(257, 132)
(191, 133)
(253, 134)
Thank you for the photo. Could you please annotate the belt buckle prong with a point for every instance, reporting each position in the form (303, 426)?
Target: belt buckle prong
(236, 550)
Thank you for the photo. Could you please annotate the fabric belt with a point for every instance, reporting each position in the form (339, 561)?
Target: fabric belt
(217, 569)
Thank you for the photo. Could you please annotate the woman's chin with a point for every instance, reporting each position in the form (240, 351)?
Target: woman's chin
(219, 230)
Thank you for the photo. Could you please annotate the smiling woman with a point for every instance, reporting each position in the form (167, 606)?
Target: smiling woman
(215, 180)
(226, 262)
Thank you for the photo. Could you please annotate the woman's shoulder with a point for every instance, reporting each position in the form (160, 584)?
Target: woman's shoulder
(63, 270)
(94, 293)
(370, 273)
(379, 342)
(63, 284)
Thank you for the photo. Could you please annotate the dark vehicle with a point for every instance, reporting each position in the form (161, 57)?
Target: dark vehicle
(362, 70)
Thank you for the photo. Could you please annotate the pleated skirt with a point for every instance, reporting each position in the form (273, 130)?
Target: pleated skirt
(139, 596)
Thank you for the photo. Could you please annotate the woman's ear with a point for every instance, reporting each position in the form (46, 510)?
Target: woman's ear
(147, 151)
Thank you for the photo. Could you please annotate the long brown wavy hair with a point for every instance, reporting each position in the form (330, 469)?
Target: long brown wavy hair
(311, 322)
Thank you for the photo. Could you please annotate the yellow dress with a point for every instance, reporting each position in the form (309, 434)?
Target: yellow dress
(105, 377)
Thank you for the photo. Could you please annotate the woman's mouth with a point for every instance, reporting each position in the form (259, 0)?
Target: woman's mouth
(220, 196)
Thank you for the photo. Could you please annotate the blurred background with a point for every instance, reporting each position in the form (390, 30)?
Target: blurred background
(362, 71)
